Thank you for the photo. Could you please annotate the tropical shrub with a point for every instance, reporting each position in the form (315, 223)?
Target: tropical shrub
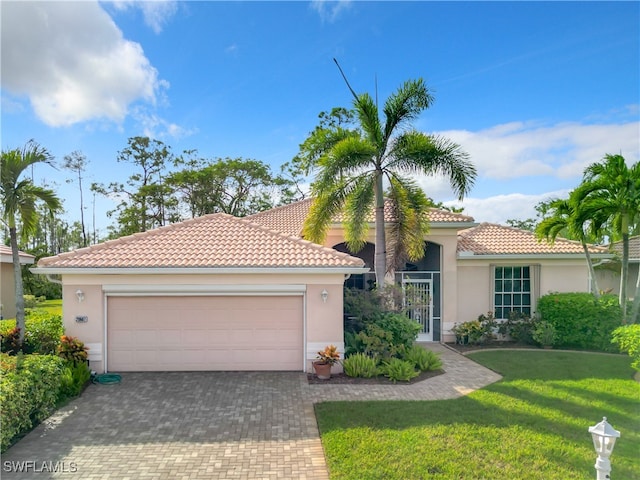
(360, 365)
(519, 327)
(581, 320)
(399, 370)
(423, 359)
(388, 336)
(329, 355)
(72, 350)
(544, 333)
(29, 387)
(10, 340)
(476, 331)
(627, 338)
(73, 379)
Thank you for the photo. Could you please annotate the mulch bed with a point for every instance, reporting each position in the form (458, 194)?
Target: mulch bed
(342, 379)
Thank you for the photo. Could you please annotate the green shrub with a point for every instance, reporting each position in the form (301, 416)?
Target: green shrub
(43, 332)
(73, 379)
(399, 370)
(476, 331)
(72, 350)
(544, 333)
(388, 336)
(360, 365)
(30, 301)
(423, 359)
(519, 327)
(28, 393)
(10, 341)
(580, 320)
(627, 338)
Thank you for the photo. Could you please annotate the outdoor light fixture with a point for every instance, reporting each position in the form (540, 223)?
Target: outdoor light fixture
(604, 438)
(80, 295)
(324, 294)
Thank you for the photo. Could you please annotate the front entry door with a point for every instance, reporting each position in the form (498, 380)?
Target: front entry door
(418, 303)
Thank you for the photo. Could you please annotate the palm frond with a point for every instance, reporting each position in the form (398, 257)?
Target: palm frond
(405, 105)
(367, 113)
(323, 209)
(358, 206)
(417, 153)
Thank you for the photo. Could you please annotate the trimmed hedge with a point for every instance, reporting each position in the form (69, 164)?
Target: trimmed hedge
(581, 321)
(29, 390)
(627, 338)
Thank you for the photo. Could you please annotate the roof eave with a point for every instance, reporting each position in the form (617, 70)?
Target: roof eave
(196, 270)
(529, 256)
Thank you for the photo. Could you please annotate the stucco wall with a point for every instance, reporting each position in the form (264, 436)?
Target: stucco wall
(323, 320)
(475, 276)
(7, 291)
(609, 280)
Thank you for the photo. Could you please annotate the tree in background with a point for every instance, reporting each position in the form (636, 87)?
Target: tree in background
(77, 163)
(19, 198)
(354, 164)
(146, 201)
(609, 195)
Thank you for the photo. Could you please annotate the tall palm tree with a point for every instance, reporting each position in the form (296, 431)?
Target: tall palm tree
(610, 195)
(354, 167)
(19, 197)
(562, 219)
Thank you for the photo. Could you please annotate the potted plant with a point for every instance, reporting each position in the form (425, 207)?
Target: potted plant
(545, 334)
(325, 360)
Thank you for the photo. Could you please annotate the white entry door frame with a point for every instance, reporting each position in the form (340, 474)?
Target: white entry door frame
(418, 303)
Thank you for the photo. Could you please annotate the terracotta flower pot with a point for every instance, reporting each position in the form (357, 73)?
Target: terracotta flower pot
(323, 370)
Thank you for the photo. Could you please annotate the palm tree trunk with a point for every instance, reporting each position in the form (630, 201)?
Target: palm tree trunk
(380, 262)
(624, 275)
(635, 309)
(592, 273)
(17, 276)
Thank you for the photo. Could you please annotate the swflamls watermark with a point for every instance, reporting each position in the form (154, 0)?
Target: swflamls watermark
(24, 466)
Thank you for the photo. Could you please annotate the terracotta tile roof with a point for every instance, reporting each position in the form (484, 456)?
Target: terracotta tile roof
(492, 239)
(289, 219)
(634, 248)
(216, 240)
(7, 256)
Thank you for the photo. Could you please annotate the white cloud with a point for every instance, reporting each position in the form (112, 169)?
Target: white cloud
(156, 13)
(73, 63)
(330, 10)
(562, 150)
(154, 126)
(500, 208)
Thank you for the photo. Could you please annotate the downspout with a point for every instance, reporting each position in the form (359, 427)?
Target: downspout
(53, 280)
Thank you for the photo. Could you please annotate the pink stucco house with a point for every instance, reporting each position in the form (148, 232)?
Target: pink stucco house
(224, 293)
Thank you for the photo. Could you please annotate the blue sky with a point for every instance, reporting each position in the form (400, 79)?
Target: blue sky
(533, 91)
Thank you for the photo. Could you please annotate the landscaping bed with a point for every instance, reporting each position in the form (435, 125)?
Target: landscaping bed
(342, 379)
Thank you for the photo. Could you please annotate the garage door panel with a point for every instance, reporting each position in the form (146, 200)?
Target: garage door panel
(204, 333)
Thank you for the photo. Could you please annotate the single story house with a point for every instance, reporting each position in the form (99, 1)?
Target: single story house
(7, 282)
(226, 293)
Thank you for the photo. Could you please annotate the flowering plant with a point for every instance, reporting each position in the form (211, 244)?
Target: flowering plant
(329, 355)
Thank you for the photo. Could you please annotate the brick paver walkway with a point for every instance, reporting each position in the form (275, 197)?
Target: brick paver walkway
(209, 425)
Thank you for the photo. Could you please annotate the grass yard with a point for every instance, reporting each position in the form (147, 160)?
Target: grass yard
(51, 306)
(532, 424)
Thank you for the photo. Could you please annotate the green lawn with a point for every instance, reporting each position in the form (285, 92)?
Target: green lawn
(532, 424)
(51, 306)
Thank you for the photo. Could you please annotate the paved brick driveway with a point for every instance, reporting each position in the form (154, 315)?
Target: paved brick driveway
(209, 425)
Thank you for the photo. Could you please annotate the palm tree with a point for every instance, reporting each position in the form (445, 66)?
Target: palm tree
(610, 195)
(561, 219)
(354, 165)
(19, 199)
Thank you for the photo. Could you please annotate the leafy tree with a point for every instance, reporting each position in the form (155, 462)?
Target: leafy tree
(19, 198)
(562, 218)
(610, 195)
(353, 165)
(77, 163)
(528, 224)
(147, 200)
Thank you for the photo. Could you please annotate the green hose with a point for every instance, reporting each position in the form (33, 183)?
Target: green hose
(107, 378)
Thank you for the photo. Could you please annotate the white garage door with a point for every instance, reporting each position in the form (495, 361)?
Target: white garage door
(204, 333)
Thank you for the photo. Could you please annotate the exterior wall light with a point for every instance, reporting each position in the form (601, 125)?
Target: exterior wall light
(80, 295)
(324, 295)
(604, 439)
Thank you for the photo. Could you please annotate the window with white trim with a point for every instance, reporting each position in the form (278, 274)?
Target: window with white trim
(512, 290)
